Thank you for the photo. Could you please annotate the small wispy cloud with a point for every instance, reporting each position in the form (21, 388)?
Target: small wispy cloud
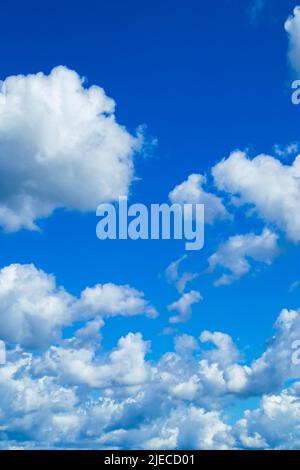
(254, 10)
(295, 285)
(180, 280)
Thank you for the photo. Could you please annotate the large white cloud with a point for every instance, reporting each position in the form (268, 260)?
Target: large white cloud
(60, 147)
(272, 188)
(32, 308)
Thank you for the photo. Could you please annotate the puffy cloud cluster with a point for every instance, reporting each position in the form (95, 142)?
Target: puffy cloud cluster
(184, 427)
(79, 365)
(275, 424)
(263, 186)
(60, 147)
(34, 310)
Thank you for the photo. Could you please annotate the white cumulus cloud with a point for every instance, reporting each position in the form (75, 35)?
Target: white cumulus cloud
(272, 188)
(60, 147)
(33, 309)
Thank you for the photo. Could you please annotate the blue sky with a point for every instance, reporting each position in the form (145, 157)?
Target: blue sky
(201, 81)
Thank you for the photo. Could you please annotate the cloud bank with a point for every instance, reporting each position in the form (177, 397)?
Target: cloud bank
(74, 394)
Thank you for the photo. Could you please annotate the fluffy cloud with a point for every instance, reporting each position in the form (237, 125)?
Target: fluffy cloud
(33, 310)
(30, 406)
(233, 255)
(268, 372)
(125, 365)
(185, 343)
(60, 147)
(273, 189)
(292, 26)
(184, 427)
(275, 424)
(111, 300)
(191, 191)
(276, 365)
(183, 306)
(225, 351)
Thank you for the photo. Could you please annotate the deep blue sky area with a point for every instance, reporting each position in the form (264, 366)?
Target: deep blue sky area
(204, 79)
